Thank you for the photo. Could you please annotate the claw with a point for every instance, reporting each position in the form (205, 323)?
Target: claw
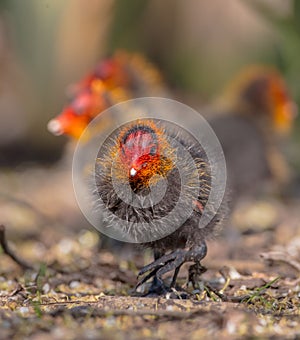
(160, 262)
(145, 278)
(170, 262)
(158, 268)
(152, 266)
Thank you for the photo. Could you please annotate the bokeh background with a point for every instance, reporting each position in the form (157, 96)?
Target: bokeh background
(198, 45)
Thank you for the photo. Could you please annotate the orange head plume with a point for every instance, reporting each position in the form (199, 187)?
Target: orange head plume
(91, 96)
(142, 150)
(283, 108)
(77, 115)
(262, 91)
(109, 74)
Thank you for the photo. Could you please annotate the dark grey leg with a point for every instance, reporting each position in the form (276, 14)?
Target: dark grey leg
(174, 261)
(173, 283)
(157, 286)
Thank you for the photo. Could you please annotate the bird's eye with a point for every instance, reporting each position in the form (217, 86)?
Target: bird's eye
(152, 151)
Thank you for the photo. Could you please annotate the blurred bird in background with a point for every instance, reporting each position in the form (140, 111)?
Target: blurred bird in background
(121, 77)
(251, 119)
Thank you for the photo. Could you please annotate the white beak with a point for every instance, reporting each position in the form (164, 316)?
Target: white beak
(54, 127)
(132, 172)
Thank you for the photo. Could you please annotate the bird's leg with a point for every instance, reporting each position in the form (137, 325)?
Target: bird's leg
(157, 286)
(159, 262)
(173, 283)
(173, 261)
(196, 270)
(157, 254)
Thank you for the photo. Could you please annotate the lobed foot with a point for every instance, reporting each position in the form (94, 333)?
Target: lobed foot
(170, 262)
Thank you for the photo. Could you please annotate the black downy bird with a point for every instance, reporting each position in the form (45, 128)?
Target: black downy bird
(251, 119)
(148, 159)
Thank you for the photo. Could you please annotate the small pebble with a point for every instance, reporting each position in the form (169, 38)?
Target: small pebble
(24, 310)
(74, 284)
(46, 288)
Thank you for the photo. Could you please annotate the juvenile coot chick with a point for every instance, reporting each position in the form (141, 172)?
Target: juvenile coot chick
(145, 154)
(120, 77)
(250, 120)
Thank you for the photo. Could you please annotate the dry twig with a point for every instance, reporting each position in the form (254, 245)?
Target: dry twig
(9, 252)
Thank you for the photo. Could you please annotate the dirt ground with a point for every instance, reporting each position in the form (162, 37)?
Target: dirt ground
(68, 287)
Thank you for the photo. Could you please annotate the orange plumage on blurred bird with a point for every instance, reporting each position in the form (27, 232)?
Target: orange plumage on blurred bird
(123, 76)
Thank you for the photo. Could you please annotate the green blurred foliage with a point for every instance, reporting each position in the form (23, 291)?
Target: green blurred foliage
(128, 16)
(190, 69)
(287, 48)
